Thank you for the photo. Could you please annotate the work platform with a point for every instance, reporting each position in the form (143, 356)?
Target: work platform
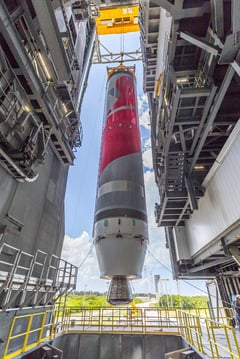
(139, 333)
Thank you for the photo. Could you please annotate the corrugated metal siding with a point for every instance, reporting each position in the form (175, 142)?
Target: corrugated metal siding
(117, 346)
(219, 209)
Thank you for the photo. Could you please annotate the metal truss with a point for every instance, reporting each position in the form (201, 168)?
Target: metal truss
(102, 55)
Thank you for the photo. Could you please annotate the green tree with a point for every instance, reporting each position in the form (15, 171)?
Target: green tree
(184, 302)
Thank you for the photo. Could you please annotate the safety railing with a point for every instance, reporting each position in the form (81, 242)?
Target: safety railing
(127, 320)
(191, 329)
(209, 337)
(27, 332)
(216, 332)
(31, 280)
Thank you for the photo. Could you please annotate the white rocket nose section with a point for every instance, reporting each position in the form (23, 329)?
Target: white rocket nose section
(119, 291)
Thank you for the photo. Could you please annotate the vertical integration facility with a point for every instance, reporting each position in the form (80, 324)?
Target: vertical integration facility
(191, 68)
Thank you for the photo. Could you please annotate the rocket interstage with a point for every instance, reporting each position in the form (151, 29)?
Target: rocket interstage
(120, 228)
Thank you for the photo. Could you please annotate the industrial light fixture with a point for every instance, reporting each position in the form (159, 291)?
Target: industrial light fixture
(69, 113)
(166, 101)
(35, 64)
(44, 66)
(182, 80)
(64, 108)
(26, 108)
(66, 111)
(199, 167)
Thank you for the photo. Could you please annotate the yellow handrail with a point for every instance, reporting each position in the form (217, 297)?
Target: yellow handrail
(25, 342)
(215, 331)
(196, 327)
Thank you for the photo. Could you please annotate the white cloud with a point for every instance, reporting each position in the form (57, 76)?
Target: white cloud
(151, 190)
(147, 158)
(142, 103)
(147, 154)
(144, 117)
(147, 143)
(80, 252)
(75, 249)
(156, 234)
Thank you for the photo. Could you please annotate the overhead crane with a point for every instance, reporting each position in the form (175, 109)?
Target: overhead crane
(112, 21)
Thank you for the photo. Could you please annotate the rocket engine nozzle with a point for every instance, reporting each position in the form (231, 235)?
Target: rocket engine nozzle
(119, 292)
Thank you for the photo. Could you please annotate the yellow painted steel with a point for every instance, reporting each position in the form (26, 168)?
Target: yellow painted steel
(191, 330)
(216, 331)
(117, 20)
(112, 70)
(158, 85)
(25, 335)
(194, 326)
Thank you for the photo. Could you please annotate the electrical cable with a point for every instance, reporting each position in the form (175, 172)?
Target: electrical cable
(122, 36)
(169, 270)
(86, 257)
(185, 281)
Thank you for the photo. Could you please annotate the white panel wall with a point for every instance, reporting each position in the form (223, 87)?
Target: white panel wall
(181, 244)
(220, 207)
(163, 38)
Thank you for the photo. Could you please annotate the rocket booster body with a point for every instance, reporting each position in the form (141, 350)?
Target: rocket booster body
(120, 228)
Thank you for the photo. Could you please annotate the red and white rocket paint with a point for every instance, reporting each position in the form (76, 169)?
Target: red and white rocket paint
(120, 229)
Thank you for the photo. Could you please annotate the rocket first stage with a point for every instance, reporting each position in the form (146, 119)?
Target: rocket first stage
(120, 228)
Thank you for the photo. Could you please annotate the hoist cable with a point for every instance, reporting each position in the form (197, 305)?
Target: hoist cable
(87, 255)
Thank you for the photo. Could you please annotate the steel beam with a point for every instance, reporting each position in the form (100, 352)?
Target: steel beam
(235, 15)
(217, 17)
(191, 195)
(234, 251)
(210, 264)
(197, 41)
(236, 67)
(218, 101)
(172, 121)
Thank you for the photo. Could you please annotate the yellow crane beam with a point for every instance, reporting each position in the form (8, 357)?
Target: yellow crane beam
(117, 20)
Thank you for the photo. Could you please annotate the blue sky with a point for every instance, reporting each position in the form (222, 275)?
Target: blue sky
(81, 189)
